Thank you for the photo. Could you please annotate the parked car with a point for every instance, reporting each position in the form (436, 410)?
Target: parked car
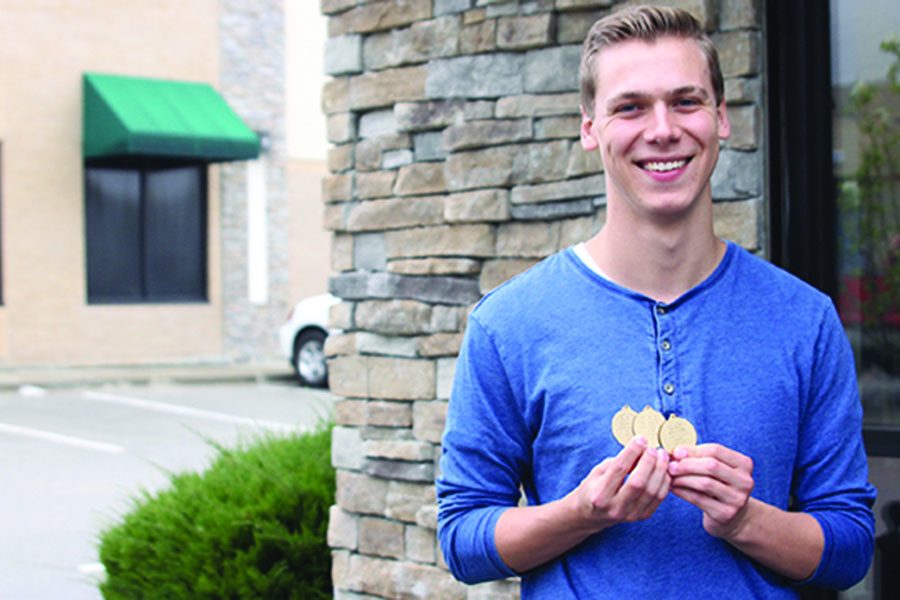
(302, 339)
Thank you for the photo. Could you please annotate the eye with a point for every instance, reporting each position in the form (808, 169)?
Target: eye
(687, 103)
(626, 108)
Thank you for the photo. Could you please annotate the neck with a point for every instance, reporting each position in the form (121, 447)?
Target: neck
(660, 259)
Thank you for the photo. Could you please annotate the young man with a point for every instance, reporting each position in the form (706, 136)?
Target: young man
(655, 310)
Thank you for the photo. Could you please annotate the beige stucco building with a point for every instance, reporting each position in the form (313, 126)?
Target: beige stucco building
(48, 314)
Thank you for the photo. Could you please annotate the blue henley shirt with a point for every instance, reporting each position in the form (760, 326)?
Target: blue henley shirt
(756, 359)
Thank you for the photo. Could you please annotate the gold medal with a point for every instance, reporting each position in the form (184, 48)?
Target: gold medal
(647, 423)
(622, 423)
(677, 432)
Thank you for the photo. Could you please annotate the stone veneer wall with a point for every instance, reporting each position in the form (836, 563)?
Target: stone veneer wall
(455, 165)
(252, 79)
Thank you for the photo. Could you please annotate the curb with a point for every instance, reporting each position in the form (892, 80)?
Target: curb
(12, 379)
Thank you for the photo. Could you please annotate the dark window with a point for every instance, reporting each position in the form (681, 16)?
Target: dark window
(834, 133)
(800, 180)
(835, 185)
(146, 231)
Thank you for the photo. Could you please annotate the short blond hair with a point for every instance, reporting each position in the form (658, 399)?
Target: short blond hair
(646, 23)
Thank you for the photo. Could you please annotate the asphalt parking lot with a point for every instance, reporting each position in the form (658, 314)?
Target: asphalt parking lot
(72, 459)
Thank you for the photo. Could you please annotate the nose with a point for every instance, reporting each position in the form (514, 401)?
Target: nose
(661, 127)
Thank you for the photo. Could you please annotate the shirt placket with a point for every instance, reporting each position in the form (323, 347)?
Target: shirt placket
(667, 373)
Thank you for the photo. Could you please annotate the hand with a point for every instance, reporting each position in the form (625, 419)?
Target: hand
(718, 481)
(625, 488)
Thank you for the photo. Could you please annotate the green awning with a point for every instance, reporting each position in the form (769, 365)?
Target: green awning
(135, 116)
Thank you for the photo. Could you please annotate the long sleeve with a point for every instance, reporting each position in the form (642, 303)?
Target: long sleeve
(484, 454)
(550, 356)
(831, 482)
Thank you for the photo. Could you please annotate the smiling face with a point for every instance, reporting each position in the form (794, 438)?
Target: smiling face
(656, 125)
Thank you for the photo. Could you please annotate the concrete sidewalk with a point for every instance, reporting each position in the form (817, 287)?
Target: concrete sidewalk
(13, 378)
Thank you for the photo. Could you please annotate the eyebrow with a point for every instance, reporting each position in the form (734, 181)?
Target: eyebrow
(625, 97)
(685, 90)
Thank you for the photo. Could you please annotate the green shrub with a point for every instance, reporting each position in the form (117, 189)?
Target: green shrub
(252, 526)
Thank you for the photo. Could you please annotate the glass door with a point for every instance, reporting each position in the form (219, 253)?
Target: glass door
(865, 90)
(833, 110)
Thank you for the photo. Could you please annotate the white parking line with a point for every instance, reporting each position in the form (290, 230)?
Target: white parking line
(188, 411)
(58, 438)
(94, 571)
(32, 390)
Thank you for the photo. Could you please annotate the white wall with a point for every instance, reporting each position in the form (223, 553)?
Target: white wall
(305, 43)
(307, 146)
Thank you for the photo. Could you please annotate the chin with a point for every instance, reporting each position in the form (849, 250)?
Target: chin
(671, 209)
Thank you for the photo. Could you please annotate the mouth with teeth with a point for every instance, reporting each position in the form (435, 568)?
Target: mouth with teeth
(664, 171)
(663, 166)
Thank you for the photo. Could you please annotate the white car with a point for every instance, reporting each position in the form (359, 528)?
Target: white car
(302, 339)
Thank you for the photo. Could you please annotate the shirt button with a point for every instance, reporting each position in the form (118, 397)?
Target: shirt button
(666, 345)
(660, 310)
(669, 389)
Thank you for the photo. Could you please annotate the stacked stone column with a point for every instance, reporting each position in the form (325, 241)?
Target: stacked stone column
(455, 165)
(252, 80)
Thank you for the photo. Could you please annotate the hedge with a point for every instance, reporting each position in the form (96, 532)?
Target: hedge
(253, 525)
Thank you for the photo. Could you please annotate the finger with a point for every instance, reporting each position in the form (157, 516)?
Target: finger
(697, 499)
(719, 512)
(711, 467)
(619, 503)
(638, 480)
(623, 464)
(732, 458)
(661, 473)
(704, 502)
(657, 486)
(600, 468)
(709, 487)
(651, 508)
(634, 493)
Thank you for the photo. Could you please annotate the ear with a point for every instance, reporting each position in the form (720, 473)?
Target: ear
(588, 141)
(722, 120)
